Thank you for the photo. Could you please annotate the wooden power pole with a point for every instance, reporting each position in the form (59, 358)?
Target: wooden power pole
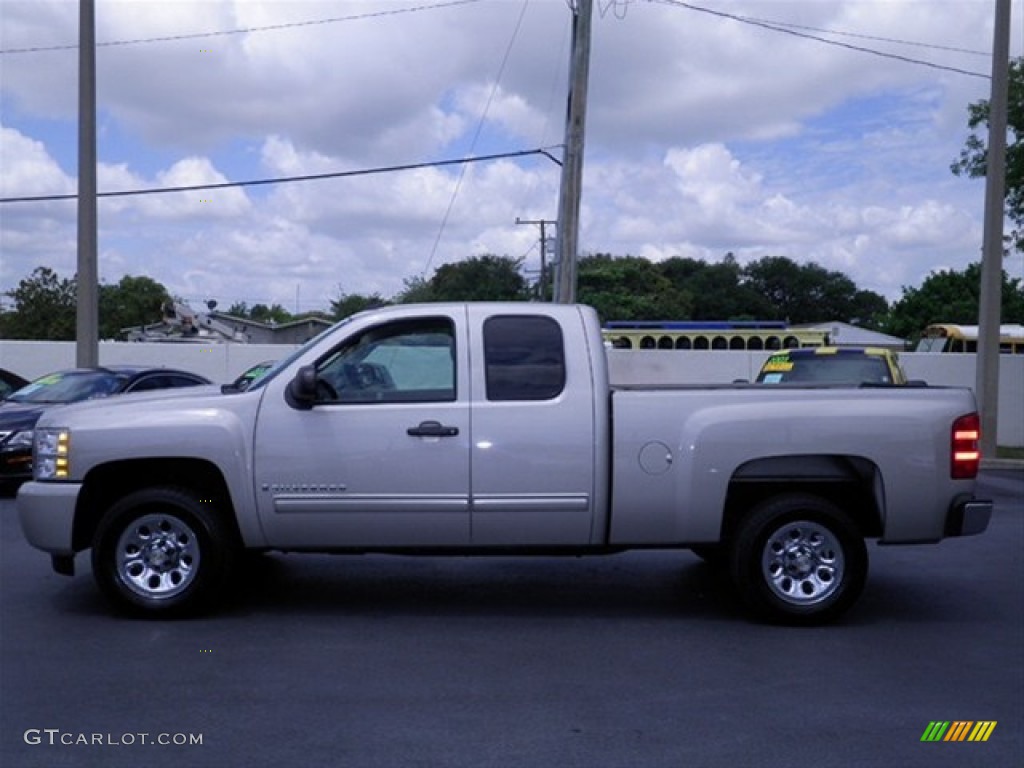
(572, 165)
(987, 373)
(87, 317)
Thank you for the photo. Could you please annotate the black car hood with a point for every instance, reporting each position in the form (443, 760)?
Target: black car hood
(18, 416)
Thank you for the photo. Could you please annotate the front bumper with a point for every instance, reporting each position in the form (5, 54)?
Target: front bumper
(47, 515)
(968, 517)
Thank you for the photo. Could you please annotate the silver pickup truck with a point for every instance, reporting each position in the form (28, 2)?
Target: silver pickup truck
(492, 428)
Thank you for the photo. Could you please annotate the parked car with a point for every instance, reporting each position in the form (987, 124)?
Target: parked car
(10, 383)
(249, 375)
(21, 410)
(833, 365)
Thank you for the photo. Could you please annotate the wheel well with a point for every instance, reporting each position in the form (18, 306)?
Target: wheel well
(851, 483)
(106, 484)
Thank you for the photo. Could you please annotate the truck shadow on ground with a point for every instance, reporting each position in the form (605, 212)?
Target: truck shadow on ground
(662, 585)
(617, 585)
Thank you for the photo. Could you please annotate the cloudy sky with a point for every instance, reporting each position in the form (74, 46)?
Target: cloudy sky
(822, 131)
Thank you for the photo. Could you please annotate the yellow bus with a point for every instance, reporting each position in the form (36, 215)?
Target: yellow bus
(950, 337)
(710, 335)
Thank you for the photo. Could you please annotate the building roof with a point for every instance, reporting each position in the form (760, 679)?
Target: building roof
(848, 335)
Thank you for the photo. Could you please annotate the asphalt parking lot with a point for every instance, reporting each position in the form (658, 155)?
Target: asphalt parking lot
(640, 659)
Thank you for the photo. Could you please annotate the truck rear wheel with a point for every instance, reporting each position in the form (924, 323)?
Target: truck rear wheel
(160, 552)
(798, 559)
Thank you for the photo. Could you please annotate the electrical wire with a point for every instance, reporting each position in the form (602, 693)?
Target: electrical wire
(476, 135)
(792, 30)
(544, 151)
(245, 30)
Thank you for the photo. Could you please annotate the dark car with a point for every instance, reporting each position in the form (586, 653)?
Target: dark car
(10, 383)
(20, 412)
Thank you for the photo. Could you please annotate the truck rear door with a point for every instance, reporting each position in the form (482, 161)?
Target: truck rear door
(534, 432)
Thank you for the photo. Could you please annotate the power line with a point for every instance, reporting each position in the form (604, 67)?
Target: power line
(793, 30)
(545, 151)
(476, 135)
(245, 30)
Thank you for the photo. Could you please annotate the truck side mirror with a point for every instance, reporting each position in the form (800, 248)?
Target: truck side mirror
(301, 392)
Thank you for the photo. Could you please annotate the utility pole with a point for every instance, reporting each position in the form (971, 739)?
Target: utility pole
(989, 310)
(542, 283)
(572, 165)
(87, 311)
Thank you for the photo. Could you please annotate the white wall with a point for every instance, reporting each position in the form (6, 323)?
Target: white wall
(655, 366)
(223, 362)
(218, 362)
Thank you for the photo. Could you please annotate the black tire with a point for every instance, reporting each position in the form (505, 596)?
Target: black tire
(798, 559)
(163, 553)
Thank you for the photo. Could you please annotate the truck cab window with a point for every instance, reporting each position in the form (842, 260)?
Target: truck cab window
(403, 361)
(525, 358)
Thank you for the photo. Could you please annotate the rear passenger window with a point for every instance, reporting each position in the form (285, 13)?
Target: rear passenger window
(525, 358)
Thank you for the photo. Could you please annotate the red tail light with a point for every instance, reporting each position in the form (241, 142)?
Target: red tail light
(965, 447)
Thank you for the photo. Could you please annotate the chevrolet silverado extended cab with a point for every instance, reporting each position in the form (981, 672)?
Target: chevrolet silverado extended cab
(492, 428)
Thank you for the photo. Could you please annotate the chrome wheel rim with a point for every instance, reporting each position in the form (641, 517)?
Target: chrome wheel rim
(157, 556)
(802, 563)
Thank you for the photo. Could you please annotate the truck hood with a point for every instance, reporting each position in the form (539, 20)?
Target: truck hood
(134, 405)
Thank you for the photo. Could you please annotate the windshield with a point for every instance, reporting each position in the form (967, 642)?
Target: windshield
(927, 344)
(827, 369)
(68, 387)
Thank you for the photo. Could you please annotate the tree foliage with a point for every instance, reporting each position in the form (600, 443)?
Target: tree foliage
(133, 301)
(261, 313)
(349, 303)
(629, 288)
(802, 293)
(949, 296)
(481, 278)
(973, 160)
(717, 291)
(44, 308)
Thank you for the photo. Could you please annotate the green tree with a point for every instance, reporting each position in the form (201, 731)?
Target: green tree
(349, 303)
(481, 278)
(807, 293)
(949, 296)
(718, 291)
(133, 301)
(973, 160)
(44, 308)
(416, 290)
(629, 288)
(274, 314)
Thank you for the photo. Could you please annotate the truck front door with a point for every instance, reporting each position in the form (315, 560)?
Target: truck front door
(381, 459)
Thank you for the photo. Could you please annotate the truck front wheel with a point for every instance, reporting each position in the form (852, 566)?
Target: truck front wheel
(162, 552)
(798, 559)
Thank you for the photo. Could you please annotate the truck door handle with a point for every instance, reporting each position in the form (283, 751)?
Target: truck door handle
(432, 429)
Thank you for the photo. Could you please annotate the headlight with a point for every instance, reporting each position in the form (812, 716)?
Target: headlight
(50, 454)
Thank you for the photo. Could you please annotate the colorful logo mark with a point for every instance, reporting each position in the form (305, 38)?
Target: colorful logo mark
(958, 730)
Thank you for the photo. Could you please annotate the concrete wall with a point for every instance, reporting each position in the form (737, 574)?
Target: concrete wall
(223, 362)
(652, 366)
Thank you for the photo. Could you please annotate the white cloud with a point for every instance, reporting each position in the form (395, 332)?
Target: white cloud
(705, 135)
